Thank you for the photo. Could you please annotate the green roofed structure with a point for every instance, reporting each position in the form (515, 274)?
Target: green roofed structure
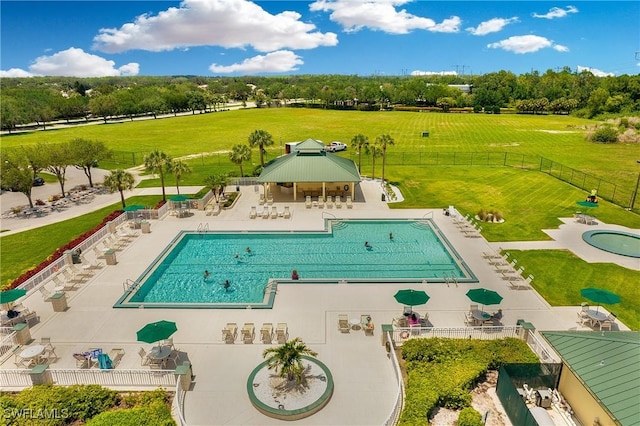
(311, 171)
(600, 377)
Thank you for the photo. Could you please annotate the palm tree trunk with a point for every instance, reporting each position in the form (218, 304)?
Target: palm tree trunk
(384, 158)
(122, 199)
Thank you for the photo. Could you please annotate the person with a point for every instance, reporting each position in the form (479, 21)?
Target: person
(11, 313)
(294, 275)
(497, 315)
(367, 245)
(413, 319)
(248, 249)
(368, 323)
(391, 235)
(226, 285)
(207, 274)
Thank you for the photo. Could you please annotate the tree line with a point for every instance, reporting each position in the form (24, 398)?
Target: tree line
(42, 100)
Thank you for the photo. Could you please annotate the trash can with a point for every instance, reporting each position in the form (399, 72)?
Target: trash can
(23, 335)
(145, 227)
(110, 257)
(384, 198)
(59, 302)
(75, 258)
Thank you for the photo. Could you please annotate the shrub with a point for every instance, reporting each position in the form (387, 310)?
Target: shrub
(39, 202)
(230, 199)
(482, 215)
(469, 417)
(605, 134)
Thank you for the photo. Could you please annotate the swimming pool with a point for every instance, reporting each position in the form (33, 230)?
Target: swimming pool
(417, 252)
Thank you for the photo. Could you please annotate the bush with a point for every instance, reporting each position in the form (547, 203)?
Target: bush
(605, 134)
(469, 417)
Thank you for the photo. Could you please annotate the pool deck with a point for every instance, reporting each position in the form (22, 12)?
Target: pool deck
(364, 379)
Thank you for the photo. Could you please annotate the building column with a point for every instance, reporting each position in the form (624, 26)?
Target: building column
(295, 191)
(324, 191)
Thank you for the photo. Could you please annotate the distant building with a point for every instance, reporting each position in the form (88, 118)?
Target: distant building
(465, 88)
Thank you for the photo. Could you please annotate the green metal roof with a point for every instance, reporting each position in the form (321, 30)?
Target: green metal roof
(310, 163)
(608, 363)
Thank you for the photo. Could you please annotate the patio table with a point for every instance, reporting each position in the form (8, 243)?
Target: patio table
(32, 352)
(596, 317)
(160, 354)
(480, 316)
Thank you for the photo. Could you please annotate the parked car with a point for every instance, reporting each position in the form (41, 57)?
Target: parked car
(336, 146)
(37, 181)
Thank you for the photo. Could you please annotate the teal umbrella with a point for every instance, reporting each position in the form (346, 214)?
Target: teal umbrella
(133, 208)
(600, 295)
(179, 198)
(484, 296)
(155, 331)
(411, 297)
(11, 295)
(587, 204)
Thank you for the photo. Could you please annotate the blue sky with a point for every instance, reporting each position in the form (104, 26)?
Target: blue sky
(363, 37)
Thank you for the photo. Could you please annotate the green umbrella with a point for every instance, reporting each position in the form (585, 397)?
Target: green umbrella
(484, 296)
(411, 297)
(600, 295)
(179, 198)
(587, 204)
(133, 208)
(11, 295)
(155, 331)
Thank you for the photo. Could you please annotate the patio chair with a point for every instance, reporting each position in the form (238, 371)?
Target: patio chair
(174, 357)
(282, 333)
(144, 357)
(343, 323)
(265, 212)
(338, 202)
(99, 253)
(93, 265)
(307, 202)
(116, 355)
(81, 271)
(348, 202)
(274, 212)
(612, 317)
(367, 324)
(584, 306)
(583, 318)
(18, 360)
(266, 332)
(261, 200)
(81, 360)
(49, 350)
(230, 332)
(606, 324)
(168, 342)
(253, 213)
(46, 294)
(320, 203)
(72, 277)
(248, 332)
(286, 213)
(329, 202)
(269, 199)
(473, 308)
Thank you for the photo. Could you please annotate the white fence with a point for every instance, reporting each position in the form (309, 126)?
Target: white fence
(7, 342)
(178, 404)
(20, 378)
(545, 353)
(402, 334)
(394, 416)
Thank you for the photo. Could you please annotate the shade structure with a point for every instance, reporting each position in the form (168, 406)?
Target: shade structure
(600, 295)
(179, 198)
(133, 208)
(11, 295)
(411, 297)
(155, 331)
(484, 296)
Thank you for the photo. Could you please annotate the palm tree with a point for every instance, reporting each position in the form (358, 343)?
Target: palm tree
(375, 152)
(361, 142)
(178, 168)
(238, 154)
(216, 184)
(287, 358)
(157, 162)
(119, 180)
(383, 141)
(260, 138)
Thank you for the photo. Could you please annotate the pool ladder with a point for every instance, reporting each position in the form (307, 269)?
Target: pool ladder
(129, 285)
(203, 228)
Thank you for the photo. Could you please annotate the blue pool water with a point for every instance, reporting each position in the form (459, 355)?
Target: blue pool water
(415, 253)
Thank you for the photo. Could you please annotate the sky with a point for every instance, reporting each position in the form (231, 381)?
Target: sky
(351, 37)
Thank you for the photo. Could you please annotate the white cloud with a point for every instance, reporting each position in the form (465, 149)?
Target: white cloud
(15, 72)
(274, 62)
(226, 23)
(595, 71)
(418, 72)
(556, 12)
(491, 26)
(75, 62)
(526, 44)
(380, 15)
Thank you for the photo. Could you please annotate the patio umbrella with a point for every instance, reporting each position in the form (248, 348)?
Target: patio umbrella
(155, 331)
(484, 296)
(600, 295)
(11, 295)
(587, 204)
(411, 297)
(133, 208)
(179, 198)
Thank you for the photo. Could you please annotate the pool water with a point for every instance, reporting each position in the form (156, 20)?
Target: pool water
(415, 253)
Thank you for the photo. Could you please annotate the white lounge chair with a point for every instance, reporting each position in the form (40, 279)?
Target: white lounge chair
(343, 323)
(307, 202)
(274, 212)
(320, 203)
(348, 202)
(248, 332)
(338, 202)
(282, 333)
(230, 332)
(329, 202)
(265, 212)
(93, 265)
(266, 332)
(286, 213)
(253, 213)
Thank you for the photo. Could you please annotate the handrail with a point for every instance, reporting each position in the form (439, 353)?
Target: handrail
(129, 285)
(203, 227)
(429, 213)
(324, 212)
(178, 402)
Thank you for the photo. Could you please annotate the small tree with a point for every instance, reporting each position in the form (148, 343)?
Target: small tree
(216, 183)
(376, 152)
(85, 153)
(361, 142)
(239, 154)
(57, 158)
(178, 168)
(260, 138)
(383, 141)
(158, 162)
(16, 174)
(286, 359)
(119, 180)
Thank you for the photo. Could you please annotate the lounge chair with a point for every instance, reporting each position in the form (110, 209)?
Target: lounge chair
(144, 357)
(81, 360)
(400, 322)
(338, 202)
(253, 213)
(230, 332)
(81, 271)
(270, 199)
(46, 294)
(208, 210)
(49, 350)
(348, 202)
(282, 333)
(266, 332)
(64, 285)
(274, 212)
(286, 213)
(99, 253)
(329, 202)
(71, 276)
(343, 323)
(320, 203)
(92, 265)
(307, 202)
(367, 324)
(265, 212)
(216, 209)
(248, 332)
(261, 200)
(116, 355)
